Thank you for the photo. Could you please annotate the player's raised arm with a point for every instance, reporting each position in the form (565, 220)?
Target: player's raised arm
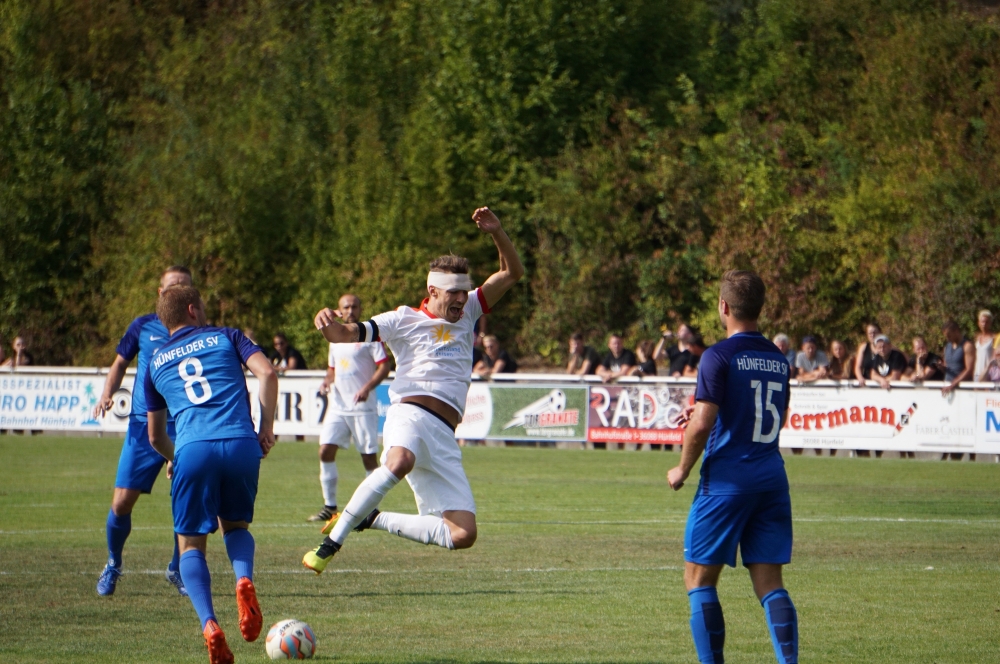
(511, 269)
(268, 396)
(334, 331)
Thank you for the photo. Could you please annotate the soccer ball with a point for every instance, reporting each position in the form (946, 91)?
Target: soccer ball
(290, 639)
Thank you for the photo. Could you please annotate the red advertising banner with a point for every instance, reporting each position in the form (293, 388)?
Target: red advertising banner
(638, 413)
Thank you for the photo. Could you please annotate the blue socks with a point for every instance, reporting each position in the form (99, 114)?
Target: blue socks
(708, 627)
(240, 547)
(197, 580)
(783, 623)
(175, 562)
(118, 529)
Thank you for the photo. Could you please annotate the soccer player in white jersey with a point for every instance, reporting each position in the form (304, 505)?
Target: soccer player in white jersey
(353, 372)
(433, 350)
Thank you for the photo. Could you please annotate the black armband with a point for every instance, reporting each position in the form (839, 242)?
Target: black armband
(368, 332)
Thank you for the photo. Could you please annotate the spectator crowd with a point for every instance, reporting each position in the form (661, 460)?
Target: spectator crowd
(877, 361)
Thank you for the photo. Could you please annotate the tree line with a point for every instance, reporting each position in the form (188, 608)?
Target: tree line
(292, 150)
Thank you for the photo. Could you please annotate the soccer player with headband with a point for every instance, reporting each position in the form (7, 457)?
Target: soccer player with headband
(433, 349)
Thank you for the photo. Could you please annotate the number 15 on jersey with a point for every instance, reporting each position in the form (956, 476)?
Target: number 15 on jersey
(762, 403)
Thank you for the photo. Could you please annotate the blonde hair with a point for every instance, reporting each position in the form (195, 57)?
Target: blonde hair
(172, 307)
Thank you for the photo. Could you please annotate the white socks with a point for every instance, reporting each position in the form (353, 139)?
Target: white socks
(366, 497)
(328, 480)
(423, 529)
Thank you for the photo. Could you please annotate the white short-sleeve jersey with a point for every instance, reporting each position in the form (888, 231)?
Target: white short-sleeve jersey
(354, 364)
(433, 356)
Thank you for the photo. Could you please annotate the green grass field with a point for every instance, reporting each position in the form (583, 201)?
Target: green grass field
(579, 559)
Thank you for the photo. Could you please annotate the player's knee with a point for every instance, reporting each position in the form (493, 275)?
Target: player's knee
(400, 461)
(123, 501)
(327, 453)
(464, 538)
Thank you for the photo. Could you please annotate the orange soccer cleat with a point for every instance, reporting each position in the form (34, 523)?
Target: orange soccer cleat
(251, 619)
(215, 641)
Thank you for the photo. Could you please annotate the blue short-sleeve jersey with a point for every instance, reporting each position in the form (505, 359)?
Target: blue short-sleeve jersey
(198, 376)
(746, 376)
(143, 337)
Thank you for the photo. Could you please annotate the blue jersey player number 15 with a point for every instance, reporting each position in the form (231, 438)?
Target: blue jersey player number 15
(742, 501)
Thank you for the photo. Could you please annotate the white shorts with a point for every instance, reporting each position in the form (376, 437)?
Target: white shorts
(363, 427)
(437, 479)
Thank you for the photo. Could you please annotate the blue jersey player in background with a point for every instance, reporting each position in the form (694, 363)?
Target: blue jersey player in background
(742, 500)
(215, 457)
(139, 464)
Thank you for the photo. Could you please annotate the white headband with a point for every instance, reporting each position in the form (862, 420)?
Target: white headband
(448, 281)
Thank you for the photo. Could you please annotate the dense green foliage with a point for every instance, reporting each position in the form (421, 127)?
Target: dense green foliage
(579, 559)
(635, 150)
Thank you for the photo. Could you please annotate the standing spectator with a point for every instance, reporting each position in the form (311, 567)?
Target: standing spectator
(889, 363)
(841, 364)
(696, 348)
(959, 357)
(784, 344)
(924, 365)
(647, 365)
(984, 343)
(812, 363)
(583, 360)
(21, 357)
(495, 359)
(286, 357)
(864, 359)
(678, 356)
(959, 364)
(617, 362)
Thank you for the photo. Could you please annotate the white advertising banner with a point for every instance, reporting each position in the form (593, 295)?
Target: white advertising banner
(65, 402)
(901, 419)
(906, 418)
(55, 402)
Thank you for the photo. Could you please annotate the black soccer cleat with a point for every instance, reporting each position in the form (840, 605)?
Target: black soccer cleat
(367, 522)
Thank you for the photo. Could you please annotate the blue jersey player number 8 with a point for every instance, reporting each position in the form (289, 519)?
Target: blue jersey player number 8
(198, 376)
(195, 378)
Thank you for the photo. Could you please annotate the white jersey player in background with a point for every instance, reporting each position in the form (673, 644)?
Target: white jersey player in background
(433, 350)
(353, 372)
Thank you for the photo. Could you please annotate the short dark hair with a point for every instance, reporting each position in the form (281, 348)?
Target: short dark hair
(576, 336)
(181, 269)
(280, 335)
(950, 324)
(451, 263)
(173, 305)
(744, 292)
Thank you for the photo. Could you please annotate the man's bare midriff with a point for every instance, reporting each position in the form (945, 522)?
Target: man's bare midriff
(438, 406)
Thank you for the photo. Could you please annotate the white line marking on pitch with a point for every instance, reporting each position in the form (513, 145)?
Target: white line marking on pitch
(635, 522)
(408, 572)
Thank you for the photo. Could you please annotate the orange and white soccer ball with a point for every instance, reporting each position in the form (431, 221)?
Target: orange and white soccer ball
(290, 639)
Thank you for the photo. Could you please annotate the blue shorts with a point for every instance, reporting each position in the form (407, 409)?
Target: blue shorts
(216, 479)
(760, 524)
(139, 464)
